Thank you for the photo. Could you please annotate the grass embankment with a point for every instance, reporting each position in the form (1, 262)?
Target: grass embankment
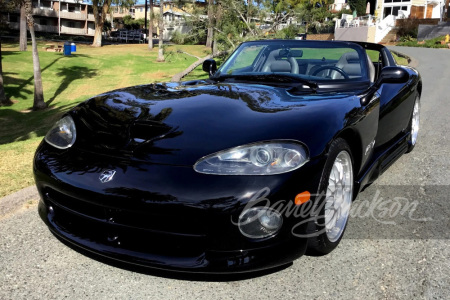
(433, 43)
(68, 81)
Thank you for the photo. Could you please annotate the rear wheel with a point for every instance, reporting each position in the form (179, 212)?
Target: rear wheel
(333, 201)
(414, 125)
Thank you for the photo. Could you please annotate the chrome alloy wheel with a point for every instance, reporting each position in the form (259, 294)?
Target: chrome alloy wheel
(339, 196)
(415, 122)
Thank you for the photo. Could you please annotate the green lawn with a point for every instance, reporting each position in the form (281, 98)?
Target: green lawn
(68, 81)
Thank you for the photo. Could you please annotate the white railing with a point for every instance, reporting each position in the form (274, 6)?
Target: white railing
(383, 28)
(349, 21)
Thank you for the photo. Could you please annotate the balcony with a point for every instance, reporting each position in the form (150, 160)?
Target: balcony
(45, 28)
(73, 15)
(90, 17)
(75, 31)
(14, 25)
(45, 12)
(37, 27)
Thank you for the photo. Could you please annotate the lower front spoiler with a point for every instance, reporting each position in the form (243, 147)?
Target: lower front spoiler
(201, 262)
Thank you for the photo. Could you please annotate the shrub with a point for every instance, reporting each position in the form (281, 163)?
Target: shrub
(433, 43)
(343, 11)
(408, 27)
(359, 6)
(178, 37)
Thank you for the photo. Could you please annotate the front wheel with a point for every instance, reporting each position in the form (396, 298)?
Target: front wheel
(414, 125)
(333, 201)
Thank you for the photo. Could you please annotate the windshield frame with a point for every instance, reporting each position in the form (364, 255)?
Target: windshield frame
(272, 44)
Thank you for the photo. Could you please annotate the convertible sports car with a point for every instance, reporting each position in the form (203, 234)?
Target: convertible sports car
(244, 171)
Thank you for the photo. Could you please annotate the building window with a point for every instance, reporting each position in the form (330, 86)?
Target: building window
(393, 10)
(141, 9)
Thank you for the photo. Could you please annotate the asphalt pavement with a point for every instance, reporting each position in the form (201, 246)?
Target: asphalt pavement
(384, 254)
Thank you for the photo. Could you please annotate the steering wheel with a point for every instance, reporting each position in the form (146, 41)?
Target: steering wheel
(339, 70)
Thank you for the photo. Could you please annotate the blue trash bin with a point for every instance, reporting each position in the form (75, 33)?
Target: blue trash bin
(73, 47)
(67, 48)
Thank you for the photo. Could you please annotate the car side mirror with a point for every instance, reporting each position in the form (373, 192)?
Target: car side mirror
(392, 75)
(210, 66)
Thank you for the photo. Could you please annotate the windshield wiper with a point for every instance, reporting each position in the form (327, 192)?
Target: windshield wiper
(279, 77)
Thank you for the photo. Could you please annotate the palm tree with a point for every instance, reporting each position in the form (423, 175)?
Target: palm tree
(161, 31)
(3, 99)
(150, 27)
(210, 35)
(38, 102)
(23, 29)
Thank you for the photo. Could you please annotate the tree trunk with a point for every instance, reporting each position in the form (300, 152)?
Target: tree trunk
(23, 29)
(177, 77)
(161, 34)
(210, 36)
(3, 99)
(98, 34)
(214, 48)
(38, 102)
(447, 6)
(99, 18)
(150, 27)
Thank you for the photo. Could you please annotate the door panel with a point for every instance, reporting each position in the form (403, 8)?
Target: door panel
(396, 102)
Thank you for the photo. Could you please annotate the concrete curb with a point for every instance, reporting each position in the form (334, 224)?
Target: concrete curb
(412, 62)
(13, 202)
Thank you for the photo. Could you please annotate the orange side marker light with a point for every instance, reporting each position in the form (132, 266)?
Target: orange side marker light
(302, 198)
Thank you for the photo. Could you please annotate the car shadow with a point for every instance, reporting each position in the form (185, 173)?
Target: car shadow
(173, 274)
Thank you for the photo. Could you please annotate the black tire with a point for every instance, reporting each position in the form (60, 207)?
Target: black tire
(319, 241)
(412, 141)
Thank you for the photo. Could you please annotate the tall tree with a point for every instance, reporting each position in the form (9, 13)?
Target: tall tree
(359, 6)
(210, 36)
(38, 102)
(23, 29)
(101, 9)
(161, 33)
(150, 27)
(3, 99)
(4, 7)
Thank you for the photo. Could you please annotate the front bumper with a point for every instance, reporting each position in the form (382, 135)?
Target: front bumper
(163, 217)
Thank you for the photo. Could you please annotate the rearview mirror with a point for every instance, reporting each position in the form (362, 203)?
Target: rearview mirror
(392, 75)
(210, 66)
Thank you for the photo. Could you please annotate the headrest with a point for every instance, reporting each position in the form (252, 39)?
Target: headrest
(351, 58)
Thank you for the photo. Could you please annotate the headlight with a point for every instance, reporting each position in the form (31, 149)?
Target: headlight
(260, 222)
(63, 134)
(263, 158)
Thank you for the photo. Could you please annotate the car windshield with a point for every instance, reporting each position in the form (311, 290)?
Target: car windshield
(306, 62)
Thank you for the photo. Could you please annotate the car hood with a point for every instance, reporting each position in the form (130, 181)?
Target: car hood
(177, 123)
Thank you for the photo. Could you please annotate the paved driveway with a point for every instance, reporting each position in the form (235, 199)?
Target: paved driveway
(406, 255)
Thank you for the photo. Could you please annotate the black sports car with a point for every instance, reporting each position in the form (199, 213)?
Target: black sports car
(244, 171)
